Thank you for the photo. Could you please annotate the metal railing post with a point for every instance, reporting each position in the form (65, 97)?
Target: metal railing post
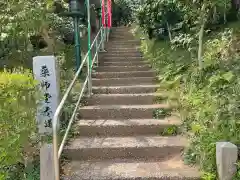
(102, 39)
(108, 32)
(89, 50)
(96, 46)
(105, 37)
(102, 25)
(77, 42)
(89, 77)
(57, 149)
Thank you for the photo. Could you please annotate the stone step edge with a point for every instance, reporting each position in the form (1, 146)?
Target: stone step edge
(126, 63)
(130, 122)
(123, 87)
(103, 79)
(152, 106)
(125, 66)
(129, 169)
(144, 64)
(140, 58)
(130, 95)
(124, 72)
(127, 142)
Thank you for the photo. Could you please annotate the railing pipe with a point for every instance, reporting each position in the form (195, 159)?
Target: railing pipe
(57, 151)
(89, 50)
(77, 41)
(56, 154)
(96, 47)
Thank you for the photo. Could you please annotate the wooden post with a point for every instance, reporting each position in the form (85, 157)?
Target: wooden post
(46, 162)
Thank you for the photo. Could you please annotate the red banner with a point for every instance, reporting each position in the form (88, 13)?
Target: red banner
(103, 14)
(109, 10)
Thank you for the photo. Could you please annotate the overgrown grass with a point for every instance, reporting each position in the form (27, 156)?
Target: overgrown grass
(18, 137)
(209, 98)
(22, 124)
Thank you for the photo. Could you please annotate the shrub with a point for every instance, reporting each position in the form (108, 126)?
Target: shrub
(208, 99)
(159, 16)
(17, 121)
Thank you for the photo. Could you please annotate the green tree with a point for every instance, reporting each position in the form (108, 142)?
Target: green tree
(159, 14)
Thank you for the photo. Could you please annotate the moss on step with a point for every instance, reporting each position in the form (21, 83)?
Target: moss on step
(161, 113)
(172, 130)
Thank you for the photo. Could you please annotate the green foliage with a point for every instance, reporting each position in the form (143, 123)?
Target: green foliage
(165, 18)
(161, 113)
(122, 12)
(153, 15)
(237, 176)
(17, 119)
(20, 20)
(23, 19)
(157, 13)
(208, 99)
(173, 130)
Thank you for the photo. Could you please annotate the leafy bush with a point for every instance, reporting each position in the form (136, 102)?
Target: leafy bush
(154, 15)
(165, 17)
(17, 121)
(122, 12)
(208, 98)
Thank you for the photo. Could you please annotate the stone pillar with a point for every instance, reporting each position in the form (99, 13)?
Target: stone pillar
(226, 158)
(46, 162)
(46, 72)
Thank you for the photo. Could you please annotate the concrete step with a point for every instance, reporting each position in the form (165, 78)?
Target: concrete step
(135, 89)
(125, 99)
(118, 53)
(122, 37)
(130, 127)
(119, 39)
(123, 74)
(121, 111)
(123, 48)
(123, 59)
(122, 68)
(122, 27)
(124, 41)
(117, 136)
(171, 168)
(127, 57)
(124, 81)
(113, 55)
(124, 63)
(125, 30)
(121, 31)
(152, 147)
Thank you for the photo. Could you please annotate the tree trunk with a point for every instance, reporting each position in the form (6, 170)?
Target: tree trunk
(169, 32)
(200, 37)
(215, 14)
(224, 15)
(48, 39)
(200, 45)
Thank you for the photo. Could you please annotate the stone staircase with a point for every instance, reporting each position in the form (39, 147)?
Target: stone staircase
(118, 137)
